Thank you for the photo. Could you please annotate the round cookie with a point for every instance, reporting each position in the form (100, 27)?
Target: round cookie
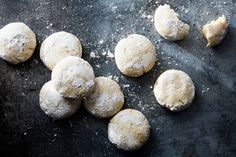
(174, 89)
(135, 55)
(106, 99)
(168, 24)
(215, 31)
(73, 77)
(58, 46)
(17, 42)
(54, 105)
(128, 129)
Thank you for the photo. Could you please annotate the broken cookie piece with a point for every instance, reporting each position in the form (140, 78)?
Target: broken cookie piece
(215, 31)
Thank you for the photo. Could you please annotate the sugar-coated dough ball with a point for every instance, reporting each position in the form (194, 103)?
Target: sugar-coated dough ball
(128, 129)
(168, 25)
(73, 77)
(17, 42)
(58, 46)
(174, 89)
(106, 99)
(215, 31)
(135, 55)
(54, 105)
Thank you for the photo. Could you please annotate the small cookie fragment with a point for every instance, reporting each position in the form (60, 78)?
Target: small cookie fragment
(106, 99)
(215, 31)
(129, 130)
(58, 46)
(54, 105)
(168, 25)
(174, 89)
(135, 55)
(17, 42)
(73, 77)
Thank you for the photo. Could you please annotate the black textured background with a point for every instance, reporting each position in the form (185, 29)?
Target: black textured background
(207, 128)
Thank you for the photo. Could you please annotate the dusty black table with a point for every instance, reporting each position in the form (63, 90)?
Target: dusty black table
(207, 128)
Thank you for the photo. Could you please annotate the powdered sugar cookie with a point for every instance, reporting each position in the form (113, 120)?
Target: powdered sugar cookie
(58, 46)
(106, 99)
(174, 89)
(17, 42)
(54, 105)
(168, 25)
(73, 77)
(135, 55)
(128, 129)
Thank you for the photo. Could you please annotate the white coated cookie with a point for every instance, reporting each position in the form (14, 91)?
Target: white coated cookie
(168, 25)
(215, 31)
(135, 55)
(58, 46)
(106, 99)
(73, 77)
(17, 42)
(54, 105)
(174, 89)
(128, 129)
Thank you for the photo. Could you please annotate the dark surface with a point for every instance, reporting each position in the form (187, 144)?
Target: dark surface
(206, 128)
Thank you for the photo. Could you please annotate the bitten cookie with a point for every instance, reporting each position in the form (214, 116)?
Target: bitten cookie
(168, 25)
(174, 89)
(54, 105)
(128, 129)
(106, 99)
(58, 46)
(17, 42)
(135, 55)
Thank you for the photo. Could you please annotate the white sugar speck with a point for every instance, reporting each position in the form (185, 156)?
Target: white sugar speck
(98, 66)
(113, 8)
(101, 41)
(109, 54)
(104, 53)
(113, 77)
(126, 85)
(204, 89)
(92, 54)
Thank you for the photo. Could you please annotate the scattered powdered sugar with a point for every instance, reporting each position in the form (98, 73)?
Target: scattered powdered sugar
(185, 9)
(140, 105)
(150, 17)
(104, 53)
(49, 25)
(126, 86)
(113, 8)
(92, 54)
(98, 65)
(63, 8)
(113, 77)
(109, 54)
(204, 89)
(145, 107)
(101, 41)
